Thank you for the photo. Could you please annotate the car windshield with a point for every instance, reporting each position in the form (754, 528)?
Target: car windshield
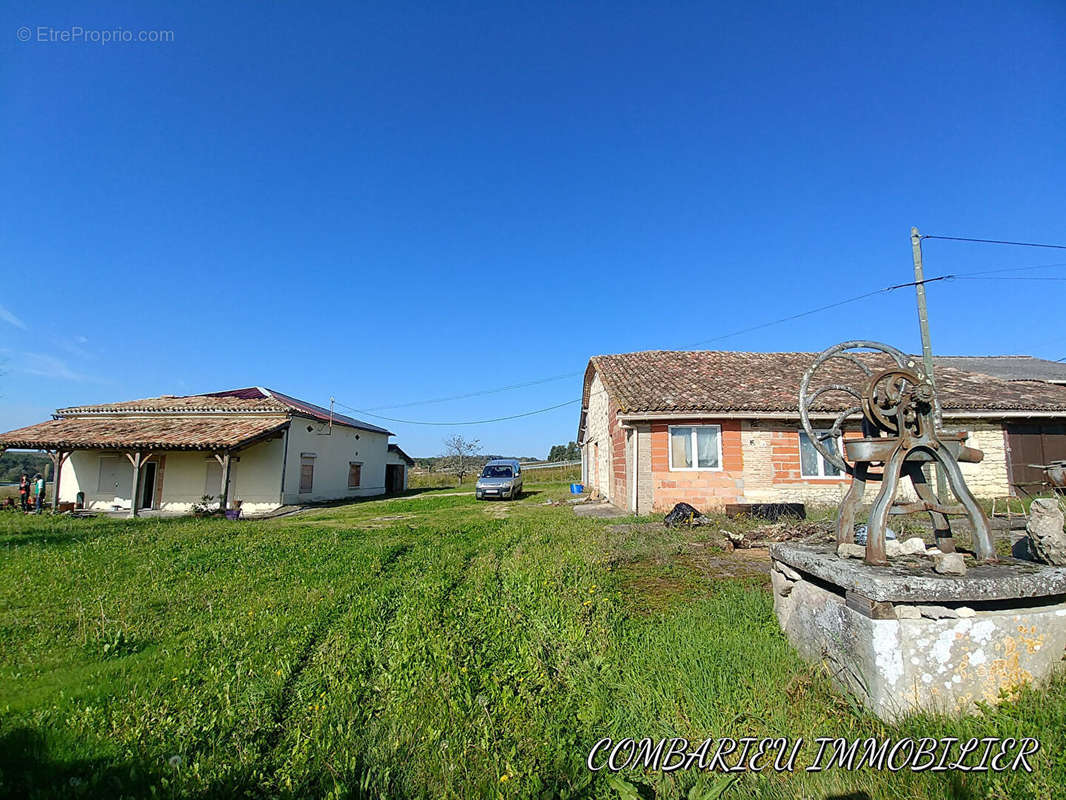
(497, 471)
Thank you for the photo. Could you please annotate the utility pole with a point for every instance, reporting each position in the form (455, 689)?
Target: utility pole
(927, 347)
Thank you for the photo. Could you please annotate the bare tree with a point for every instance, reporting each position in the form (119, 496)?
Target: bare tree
(459, 450)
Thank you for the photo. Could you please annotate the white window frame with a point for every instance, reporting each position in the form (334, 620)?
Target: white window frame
(695, 448)
(821, 476)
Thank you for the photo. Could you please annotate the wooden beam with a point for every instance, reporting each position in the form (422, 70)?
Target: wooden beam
(224, 490)
(136, 459)
(59, 458)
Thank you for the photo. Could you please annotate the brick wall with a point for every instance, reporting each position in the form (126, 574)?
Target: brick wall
(772, 467)
(704, 489)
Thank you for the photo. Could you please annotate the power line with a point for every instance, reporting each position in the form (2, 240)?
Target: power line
(837, 304)
(478, 393)
(495, 390)
(995, 241)
(367, 412)
(1012, 269)
(1012, 278)
(469, 422)
(955, 276)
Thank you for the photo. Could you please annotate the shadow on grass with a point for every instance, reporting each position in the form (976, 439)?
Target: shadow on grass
(63, 531)
(28, 769)
(954, 790)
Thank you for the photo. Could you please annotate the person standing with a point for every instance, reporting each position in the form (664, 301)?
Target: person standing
(38, 492)
(24, 493)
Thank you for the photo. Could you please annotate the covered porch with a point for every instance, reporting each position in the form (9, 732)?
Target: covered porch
(161, 464)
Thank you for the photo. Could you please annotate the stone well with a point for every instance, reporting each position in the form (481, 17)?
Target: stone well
(903, 638)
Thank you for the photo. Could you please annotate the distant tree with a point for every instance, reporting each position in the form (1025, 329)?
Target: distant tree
(565, 452)
(459, 451)
(15, 464)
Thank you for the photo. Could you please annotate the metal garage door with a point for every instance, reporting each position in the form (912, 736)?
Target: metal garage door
(1033, 444)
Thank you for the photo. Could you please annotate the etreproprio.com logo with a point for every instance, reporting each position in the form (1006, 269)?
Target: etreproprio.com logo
(76, 34)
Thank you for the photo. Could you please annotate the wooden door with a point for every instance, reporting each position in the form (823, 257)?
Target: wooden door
(1033, 444)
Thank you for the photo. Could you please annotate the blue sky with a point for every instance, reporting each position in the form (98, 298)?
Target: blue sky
(391, 203)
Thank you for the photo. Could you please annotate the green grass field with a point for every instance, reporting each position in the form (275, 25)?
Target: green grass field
(425, 646)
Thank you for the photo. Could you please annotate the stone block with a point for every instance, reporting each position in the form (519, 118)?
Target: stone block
(903, 665)
(849, 550)
(937, 612)
(1047, 541)
(914, 581)
(787, 571)
(949, 564)
(914, 546)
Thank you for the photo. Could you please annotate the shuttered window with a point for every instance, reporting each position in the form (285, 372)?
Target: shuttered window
(307, 474)
(355, 474)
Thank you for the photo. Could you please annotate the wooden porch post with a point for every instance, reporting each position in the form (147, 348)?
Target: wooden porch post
(58, 459)
(136, 459)
(224, 489)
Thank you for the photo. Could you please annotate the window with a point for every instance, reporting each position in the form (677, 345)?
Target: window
(695, 447)
(812, 463)
(355, 474)
(307, 473)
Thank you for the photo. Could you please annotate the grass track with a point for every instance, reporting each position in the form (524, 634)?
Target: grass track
(426, 646)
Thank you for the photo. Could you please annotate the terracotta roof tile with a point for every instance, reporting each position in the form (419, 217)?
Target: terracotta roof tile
(140, 432)
(238, 401)
(667, 381)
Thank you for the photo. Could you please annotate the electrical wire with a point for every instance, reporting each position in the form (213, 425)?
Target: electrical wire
(1012, 278)
(478, 393)
(469, 422)
(995, 241)
(1011, 269)
(975, 275)
(536, 382)
(369, 412)
(837, 304)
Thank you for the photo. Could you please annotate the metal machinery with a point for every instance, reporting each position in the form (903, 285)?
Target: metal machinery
(900, 434)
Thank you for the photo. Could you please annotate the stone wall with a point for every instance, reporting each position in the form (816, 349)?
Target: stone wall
(645, 491)
(597, 436)
(990, 478)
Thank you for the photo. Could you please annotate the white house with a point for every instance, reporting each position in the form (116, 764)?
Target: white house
(255, 445)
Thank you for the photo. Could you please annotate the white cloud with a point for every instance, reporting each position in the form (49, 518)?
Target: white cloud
(47, 366)
(11, 319)
(75, 345)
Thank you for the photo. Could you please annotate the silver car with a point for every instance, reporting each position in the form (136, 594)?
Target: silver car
(501, 477)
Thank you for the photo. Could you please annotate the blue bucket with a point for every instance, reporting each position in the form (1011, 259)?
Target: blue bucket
(577, 488)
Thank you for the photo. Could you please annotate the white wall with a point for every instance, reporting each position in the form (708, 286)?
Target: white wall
(333, 453)
(257, 473)
(184, 476)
